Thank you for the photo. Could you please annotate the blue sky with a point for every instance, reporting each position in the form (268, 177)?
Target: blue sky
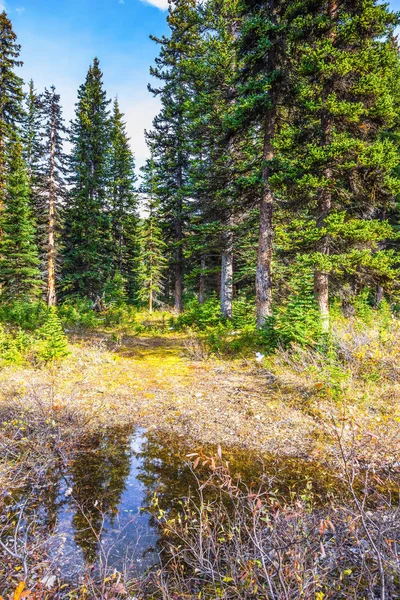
(60, 38)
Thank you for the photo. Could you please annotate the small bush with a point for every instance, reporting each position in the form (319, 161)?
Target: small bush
(25, 315)
(120, 314)
(55, 344)
(200, 316)
(78, 313)
(115, 290)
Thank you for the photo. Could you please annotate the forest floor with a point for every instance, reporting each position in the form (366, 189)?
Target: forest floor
(339, 416)
(164, 382)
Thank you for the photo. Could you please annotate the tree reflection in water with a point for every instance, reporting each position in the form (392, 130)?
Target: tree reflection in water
(101, 501)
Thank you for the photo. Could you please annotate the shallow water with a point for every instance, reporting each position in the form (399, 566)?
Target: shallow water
(98, 509)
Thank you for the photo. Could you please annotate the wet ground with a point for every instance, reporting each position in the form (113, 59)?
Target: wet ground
(98, 509)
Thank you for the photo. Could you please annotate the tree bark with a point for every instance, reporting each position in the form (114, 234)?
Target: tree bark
(265, 240)
(227, 275)
(379, 295)
(321, 278)
(151, 300)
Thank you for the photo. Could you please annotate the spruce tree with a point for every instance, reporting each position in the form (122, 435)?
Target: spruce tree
(31, 133)
(262, 92)
(19, 261)
(55, 342)
(11, 93)
(169, 137)
(88, 249)
(123, 199)
(338, 161)
(152, 261)
(215, 156)
(52, 187)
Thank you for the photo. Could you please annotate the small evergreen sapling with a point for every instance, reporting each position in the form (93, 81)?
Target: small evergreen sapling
(55, 342)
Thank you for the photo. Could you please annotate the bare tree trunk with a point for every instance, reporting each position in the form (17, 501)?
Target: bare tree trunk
(227, 275)
(265, 241)
(51, 252)
(379, 295)
(321, 278)
(202, 282)
(226, 293)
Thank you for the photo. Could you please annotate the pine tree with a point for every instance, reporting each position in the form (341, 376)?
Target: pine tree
(261, 93)
(31, 134)
(19, 261)
(88, 249)
(11, 93)
(213, 167)
(55, 342)
(339, 161)
(52, 187)
(168, 138)
(152, 261)
(124, 216)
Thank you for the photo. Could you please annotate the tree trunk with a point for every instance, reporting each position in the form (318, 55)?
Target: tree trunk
(202, 282)
(379, 295)
(179, 281)
(321, 278)
(265, 240)
(51, 252)
(227, 275)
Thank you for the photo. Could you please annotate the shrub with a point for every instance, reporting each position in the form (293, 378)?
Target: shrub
(120, 314)
(55, 344)
(78, 313)
(26, 315)
(201, 316)
(115, 290)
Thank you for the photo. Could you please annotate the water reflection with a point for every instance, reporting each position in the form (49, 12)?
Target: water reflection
(99, 505)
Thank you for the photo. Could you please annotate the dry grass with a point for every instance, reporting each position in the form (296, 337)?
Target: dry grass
(343, 412)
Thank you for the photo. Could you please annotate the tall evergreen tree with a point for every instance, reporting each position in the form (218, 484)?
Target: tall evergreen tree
(261, 98)
(88, 249)
(152, 261)
(11, 93)
(31, 133)
(214, 163)
(340, 159)
(52, 186)
(169, 135)
(124, 217)
(19, 261)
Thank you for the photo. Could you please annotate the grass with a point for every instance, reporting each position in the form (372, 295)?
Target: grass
(337, 405)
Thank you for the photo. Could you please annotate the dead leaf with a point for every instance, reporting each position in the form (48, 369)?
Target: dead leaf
(118, 588)
(19, 590)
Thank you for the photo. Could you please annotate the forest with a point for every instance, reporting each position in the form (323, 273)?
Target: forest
(212, 344)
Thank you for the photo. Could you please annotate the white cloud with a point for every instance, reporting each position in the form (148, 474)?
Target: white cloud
(2, 6)
(161, 4)
(139, 115)
(20, 10)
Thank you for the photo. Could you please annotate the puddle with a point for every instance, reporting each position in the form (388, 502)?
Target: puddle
(97, 509)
